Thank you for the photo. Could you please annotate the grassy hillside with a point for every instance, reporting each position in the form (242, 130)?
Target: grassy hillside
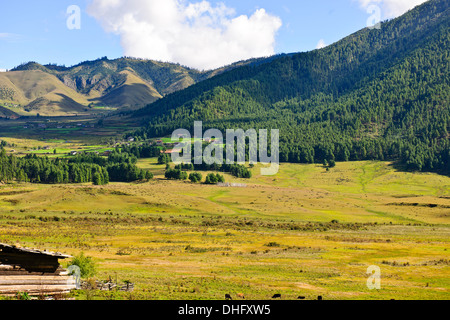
(122, 84)
(7, 112)
(132, 93)
(38, 92)
(377, 94)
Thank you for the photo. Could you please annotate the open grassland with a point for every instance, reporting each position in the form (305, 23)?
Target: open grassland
(305, 231)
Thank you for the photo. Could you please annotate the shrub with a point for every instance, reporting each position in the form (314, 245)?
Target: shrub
(214, 178)
(195, 177)
(148, 175)
(23, 296)
(185, 166)
(176, 174)
(220, 178)
(86, 265)
(164, 159)
(332, 163)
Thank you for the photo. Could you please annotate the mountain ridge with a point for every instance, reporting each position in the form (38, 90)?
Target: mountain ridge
(374, 95)
(123, 84)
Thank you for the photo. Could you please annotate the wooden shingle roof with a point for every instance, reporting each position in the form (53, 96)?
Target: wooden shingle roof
(31, 260)
(14, 249)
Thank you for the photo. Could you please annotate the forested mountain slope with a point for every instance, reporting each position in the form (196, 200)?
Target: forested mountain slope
(377, 94)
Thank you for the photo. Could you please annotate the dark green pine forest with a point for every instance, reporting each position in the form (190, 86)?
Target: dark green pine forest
(89, 167)
(378, 94)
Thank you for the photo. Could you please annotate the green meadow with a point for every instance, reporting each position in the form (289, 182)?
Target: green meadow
(305, 231)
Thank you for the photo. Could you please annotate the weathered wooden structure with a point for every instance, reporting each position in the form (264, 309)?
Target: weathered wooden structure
(35, 272)
(108, 285)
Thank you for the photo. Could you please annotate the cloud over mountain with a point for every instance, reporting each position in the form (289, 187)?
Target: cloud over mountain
(199, 35)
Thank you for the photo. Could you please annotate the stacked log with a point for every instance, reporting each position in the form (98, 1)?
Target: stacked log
(15, 280)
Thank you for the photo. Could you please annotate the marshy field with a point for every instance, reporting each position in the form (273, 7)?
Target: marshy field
(306, 232)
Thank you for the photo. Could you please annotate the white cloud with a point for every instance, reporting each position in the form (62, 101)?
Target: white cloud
(321, 44)
(392, 8)
(198, 35)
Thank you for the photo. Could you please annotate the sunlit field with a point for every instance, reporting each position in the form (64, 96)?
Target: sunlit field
(306, 231)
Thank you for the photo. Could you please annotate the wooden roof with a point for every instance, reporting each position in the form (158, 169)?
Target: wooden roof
(14, 249)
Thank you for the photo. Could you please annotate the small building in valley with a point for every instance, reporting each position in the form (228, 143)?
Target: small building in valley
(35, 272)
(106, 153)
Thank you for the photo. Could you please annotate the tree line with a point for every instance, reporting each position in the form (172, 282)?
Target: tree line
(83, 168)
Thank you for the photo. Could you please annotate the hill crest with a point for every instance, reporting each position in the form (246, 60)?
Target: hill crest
(123, 84)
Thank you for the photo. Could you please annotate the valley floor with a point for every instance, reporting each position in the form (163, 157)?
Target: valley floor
(305, 231)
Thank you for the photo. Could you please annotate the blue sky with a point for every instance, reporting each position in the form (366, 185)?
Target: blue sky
(37, 30)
